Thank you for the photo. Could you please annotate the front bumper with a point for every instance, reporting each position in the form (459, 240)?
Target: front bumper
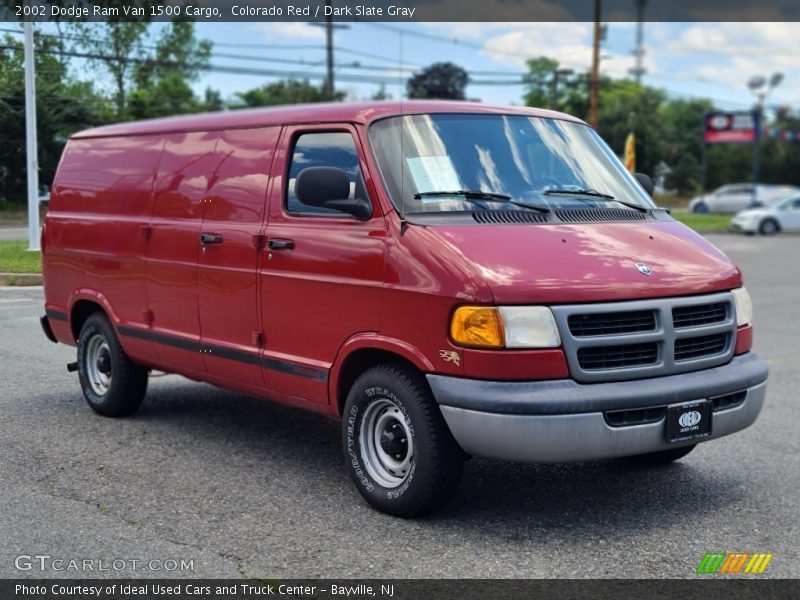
(563, 421)
(744, 226)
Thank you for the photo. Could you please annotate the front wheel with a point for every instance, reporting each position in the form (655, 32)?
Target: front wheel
(768, 227)
(397, 446)
(112, 384)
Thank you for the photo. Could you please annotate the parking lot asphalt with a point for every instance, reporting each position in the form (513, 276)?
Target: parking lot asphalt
(242, 487)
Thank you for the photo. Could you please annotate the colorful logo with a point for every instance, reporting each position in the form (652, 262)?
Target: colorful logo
(734, 563)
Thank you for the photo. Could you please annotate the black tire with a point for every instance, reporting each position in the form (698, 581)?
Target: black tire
(701, 208)
(399, 397)
(112, 384)
(769, 227)
(662, 458)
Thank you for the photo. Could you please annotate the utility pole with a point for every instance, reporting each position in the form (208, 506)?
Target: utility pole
(594, 84)
(638, 51)
(761, 87)
(329, 47)
(30, 140)
(329, 26)
(557, 74)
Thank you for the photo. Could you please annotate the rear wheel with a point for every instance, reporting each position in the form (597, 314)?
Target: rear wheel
(397, 446)
(700, 207)
(663, 457)
(769, 227)
(112, 384)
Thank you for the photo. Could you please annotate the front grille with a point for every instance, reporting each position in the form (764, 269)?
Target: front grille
(617, 357)
(618, 341)
(707, 345)
(612, 323)
(703, 314)
(636, 416)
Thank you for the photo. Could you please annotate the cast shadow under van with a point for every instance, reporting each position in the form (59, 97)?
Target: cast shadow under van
(495, 498)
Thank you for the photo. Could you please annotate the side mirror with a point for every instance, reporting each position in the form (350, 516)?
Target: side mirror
(329, 187)
(646, 183)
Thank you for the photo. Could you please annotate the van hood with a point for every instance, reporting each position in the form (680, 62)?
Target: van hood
(553, 264)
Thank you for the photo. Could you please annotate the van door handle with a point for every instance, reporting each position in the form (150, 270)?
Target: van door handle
(280, 244)
(210, 238)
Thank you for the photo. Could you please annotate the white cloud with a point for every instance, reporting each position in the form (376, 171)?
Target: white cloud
(301, 31)
(729, 54)
(569, 43)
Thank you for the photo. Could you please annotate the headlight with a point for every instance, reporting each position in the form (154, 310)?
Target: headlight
(505, 326)
(743, 305)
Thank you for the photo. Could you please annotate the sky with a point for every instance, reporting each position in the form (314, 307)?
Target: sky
(709, 60)
(704, 60)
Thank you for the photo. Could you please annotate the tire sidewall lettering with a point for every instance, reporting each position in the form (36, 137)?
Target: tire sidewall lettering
(355, 463)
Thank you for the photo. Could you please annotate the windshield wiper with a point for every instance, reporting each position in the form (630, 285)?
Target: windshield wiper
(594, 195)
(473, 195)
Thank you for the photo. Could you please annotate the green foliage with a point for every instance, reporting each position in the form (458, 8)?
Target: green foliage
(115, 46)
(668, 131)
(63, 106)
(382, 94)
(625, 107)
(442, 80)
(16, 258)
(289, 91)
(703, 223)
(539, 82)
(682, 122)
(163, 80)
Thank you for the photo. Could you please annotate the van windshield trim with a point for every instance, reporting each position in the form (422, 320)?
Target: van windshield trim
(635, 195)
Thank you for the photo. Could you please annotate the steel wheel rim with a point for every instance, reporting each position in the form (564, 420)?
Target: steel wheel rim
(98, 364)
(387, 446)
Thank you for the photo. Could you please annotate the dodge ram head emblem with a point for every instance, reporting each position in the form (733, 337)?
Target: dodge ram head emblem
(643, 269)
(450, 356)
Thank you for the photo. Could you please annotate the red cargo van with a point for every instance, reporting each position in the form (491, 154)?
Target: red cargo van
(448, 279)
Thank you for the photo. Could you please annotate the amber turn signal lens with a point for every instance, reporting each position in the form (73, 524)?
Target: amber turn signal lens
(477, 326)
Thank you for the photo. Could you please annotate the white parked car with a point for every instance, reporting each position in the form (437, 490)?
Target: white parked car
(738, 196)
(783, 215)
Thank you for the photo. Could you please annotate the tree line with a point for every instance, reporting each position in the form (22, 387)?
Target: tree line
(153, 75)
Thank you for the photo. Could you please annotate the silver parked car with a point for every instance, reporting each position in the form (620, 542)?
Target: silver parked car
(782, 215)
(738, 196)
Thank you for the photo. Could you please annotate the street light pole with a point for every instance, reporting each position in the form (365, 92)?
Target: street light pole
(30, 140)
(761, 87)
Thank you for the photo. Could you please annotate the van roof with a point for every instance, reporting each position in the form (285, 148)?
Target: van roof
(339, 112)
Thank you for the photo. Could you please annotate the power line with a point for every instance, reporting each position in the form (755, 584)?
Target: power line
(310, 63)
(442, 39)
(237, 70)
(515, 79)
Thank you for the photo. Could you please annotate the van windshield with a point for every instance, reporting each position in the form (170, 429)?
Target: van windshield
(456, 162)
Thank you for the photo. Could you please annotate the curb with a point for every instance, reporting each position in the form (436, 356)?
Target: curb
(20, 279)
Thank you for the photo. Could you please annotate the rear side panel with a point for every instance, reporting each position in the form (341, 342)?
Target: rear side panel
(180, 191)
(95, 240)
